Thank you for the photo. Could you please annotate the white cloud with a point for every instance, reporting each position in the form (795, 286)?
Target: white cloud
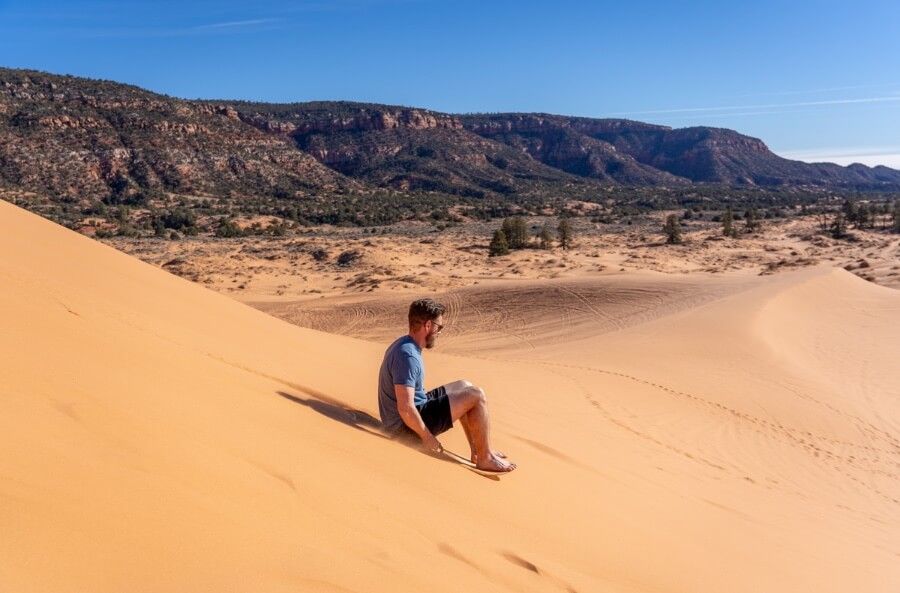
(219, 28)
(884, 99)
(824, 90)
(233, 24)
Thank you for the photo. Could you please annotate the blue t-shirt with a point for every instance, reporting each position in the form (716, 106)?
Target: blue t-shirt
(402, 365)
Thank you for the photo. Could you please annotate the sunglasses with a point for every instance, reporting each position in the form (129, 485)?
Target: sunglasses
(440, 327)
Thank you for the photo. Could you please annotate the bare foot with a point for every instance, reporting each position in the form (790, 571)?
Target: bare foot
(474, 456)
(495, 464)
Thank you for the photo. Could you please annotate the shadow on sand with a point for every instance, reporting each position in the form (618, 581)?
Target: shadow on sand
(360, 420)
(332, 408)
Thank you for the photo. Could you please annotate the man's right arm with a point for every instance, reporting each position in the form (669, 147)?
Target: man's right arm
(405, 397)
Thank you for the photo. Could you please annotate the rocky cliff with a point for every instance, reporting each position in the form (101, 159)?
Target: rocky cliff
(68, 136)
(634, 152)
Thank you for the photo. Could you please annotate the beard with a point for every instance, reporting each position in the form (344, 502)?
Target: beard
(429, 340)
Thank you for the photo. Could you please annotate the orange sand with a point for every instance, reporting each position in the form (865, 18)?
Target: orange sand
(157, 436)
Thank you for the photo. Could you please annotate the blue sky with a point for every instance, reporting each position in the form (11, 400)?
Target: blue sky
(814, 80)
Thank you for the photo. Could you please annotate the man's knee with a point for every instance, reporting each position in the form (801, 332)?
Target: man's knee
(466, 399)
(477, 393)
(459, 388)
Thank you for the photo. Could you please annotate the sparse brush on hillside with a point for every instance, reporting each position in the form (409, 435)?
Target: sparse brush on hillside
(74, 149)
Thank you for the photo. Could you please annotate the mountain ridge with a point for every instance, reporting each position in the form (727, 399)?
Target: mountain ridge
(63, 135)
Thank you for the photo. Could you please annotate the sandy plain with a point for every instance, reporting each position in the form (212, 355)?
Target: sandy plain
(677, 428)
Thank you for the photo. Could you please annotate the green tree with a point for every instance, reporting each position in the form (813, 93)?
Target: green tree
(863, 216)
(159, 228)
(521, 232)
(751, 220)
(118, 185)
(227, 229)
(728, 224)
(896, 217)
(499, 245)
(565, 233)
(516, 231)
(178, 219)
(839, 226)
(672, 229)
(849, 209)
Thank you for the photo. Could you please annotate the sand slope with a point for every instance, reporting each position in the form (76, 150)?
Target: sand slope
(156, 436)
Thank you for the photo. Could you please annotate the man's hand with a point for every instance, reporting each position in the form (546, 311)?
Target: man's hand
(431, 444)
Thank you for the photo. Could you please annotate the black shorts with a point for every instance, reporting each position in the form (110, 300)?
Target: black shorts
(435, 413)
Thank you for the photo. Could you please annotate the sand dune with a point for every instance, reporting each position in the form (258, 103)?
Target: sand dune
(512, 317)
(157, 436)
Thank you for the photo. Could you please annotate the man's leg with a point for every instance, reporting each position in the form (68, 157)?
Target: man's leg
(469, 405)
(455, 390)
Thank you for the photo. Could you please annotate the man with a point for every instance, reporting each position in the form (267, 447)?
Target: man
(405, 407)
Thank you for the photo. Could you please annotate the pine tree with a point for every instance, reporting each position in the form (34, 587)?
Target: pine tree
(728, 223)
(672, 229)
(516, 231)
(839, 226)
(896, 217)
(751, 220)
(863, 216)
(565, 233)
(849, 210)
(498, 246)
(506, 227)
(520, 229)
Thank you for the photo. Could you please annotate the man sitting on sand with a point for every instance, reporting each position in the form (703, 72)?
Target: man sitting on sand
(405, 407)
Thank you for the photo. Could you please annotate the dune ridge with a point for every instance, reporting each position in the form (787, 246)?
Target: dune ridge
(158, 436)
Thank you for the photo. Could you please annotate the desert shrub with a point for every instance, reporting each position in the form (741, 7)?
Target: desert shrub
(565, 233)
(319, 255)
(227, 229)
(672, 229)
(178, 219)
(348, 258)
(499, 245)
(545, 237)
(751, 220)
(839, 226)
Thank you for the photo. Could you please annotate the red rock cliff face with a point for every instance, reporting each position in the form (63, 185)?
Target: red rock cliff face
(66, 135)
(539, 123)
(323, 122)
(573, 144)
